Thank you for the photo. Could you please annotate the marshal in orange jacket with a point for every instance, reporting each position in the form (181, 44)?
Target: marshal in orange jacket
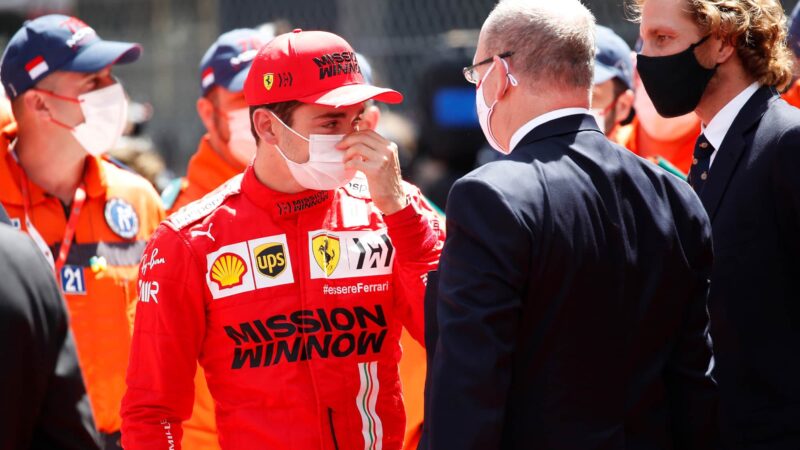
(121, 212)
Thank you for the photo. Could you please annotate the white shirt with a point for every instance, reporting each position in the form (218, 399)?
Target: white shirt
(718, 127)
(540, 120)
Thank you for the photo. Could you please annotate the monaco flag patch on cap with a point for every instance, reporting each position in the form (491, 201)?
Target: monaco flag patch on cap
(36, 67)
(208, 78)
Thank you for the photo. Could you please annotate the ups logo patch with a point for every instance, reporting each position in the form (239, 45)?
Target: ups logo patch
(270, 259)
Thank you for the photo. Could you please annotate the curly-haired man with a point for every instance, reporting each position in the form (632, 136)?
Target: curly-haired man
(724, 60)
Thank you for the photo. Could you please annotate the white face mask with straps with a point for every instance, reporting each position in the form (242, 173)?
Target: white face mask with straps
(325, 169)
(241, 143)
(485, 111)
(105, 114)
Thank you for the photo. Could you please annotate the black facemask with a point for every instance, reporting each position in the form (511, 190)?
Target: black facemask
(675, 83)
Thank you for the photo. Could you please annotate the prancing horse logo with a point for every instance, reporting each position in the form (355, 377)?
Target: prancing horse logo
(326, 250)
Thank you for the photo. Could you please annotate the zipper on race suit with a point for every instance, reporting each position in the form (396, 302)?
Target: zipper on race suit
(333, 430)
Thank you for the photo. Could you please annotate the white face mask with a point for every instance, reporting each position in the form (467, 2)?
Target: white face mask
(325, 169)
(105, 113)
(241, 143)
(658, 127)
(485, 111)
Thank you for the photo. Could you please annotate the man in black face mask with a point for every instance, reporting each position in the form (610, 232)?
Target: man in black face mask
(724, 60)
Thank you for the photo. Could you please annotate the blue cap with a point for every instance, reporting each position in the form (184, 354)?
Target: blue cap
(613, 59)
(228, 60)
(57, 42)
(793, 39)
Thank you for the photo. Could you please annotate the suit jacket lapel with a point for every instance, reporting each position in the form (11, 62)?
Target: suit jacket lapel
(732, 148)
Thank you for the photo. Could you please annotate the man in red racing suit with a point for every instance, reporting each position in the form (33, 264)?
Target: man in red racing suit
(293, 303)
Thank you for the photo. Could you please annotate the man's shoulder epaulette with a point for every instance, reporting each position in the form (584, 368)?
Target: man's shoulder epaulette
(199, 209)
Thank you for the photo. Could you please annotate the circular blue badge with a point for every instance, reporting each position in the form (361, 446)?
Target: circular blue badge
(122, 218)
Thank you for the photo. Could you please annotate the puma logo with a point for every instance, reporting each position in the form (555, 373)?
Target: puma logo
(196, 233)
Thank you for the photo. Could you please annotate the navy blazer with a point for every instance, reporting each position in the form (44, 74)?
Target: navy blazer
(571, 303)
(753, 199)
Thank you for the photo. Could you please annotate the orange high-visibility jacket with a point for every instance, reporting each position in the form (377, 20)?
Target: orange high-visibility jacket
(121, 212)
(679, 151)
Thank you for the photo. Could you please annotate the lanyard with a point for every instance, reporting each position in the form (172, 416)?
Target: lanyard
(69, 233)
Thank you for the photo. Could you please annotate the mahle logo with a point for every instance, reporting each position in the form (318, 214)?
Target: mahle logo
(228, 270)
(270, 259)
(326, 251)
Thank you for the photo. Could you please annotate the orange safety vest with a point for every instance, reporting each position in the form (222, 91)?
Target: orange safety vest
(679, 151)
(99, 275)
(206, 171)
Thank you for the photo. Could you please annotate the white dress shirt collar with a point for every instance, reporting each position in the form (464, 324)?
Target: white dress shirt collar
(716, 130)
(540, 120)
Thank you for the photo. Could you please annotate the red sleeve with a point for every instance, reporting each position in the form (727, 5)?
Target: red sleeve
(417, 233)
(167, 336)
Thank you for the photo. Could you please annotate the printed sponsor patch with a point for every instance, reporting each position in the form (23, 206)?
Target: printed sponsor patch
(151, 261)
(348, 254)
(148, 291)
(271, 260)
(304, 203)
(122, 218)
(229, 271)
(72, 280)
(249, 265)
(358, 186)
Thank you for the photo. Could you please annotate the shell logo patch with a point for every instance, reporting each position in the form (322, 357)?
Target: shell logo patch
(249, 266)
(228, 270)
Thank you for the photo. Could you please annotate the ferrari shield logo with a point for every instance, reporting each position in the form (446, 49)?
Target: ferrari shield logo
(269, 78)
(326, 252)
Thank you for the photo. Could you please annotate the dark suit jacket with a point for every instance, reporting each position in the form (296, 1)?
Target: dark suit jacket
(753, 199)
(572, 303)
(43, 403)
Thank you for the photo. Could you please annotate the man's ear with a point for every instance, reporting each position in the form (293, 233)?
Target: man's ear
(34, 104)
(262, 126)
(371, 117)
(624, 105)
(504, 80)
(205, 109)
(722, 50)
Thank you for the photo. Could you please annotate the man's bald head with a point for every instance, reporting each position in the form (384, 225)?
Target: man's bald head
(552, 40)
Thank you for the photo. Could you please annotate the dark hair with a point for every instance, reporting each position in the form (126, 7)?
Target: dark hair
(283, 110)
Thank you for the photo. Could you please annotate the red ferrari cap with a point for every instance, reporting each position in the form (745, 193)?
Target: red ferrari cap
(311, 67)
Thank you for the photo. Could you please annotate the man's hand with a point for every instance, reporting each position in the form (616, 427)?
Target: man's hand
(376, 157)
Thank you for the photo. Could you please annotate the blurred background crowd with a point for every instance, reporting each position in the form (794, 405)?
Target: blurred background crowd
(415, 46)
